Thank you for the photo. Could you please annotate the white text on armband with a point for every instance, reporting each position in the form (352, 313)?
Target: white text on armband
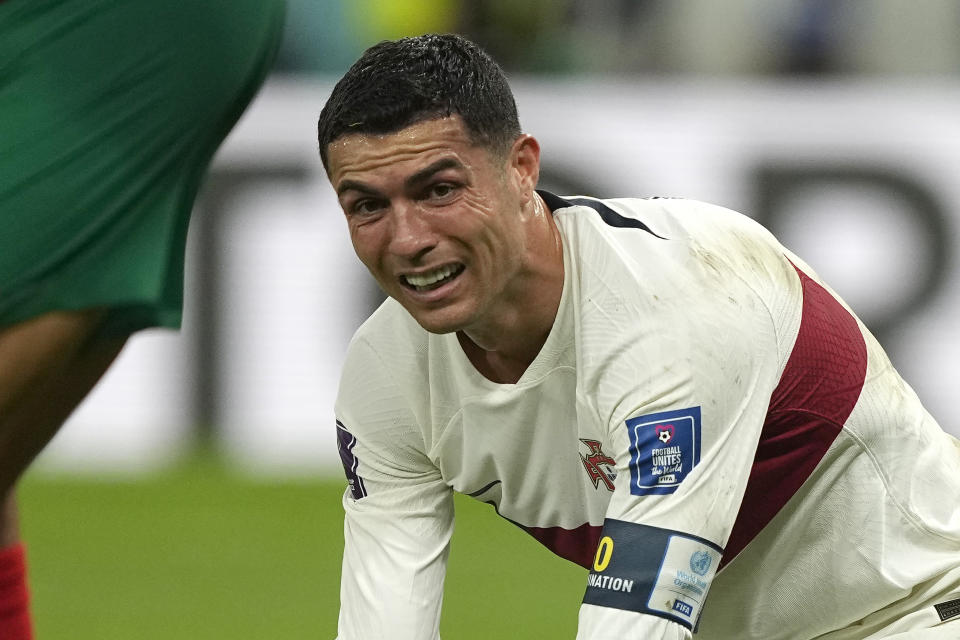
(651, 570)
(606, 582)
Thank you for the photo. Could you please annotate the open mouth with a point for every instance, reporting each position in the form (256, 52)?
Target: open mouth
(432, 279)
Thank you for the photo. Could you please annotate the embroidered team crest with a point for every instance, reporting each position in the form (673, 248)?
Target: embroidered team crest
(600, 467)
(664, 448)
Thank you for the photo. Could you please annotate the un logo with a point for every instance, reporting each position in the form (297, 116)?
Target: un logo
(700, 563)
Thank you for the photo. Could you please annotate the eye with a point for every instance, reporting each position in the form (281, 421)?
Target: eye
(441, 190)
(366, 206)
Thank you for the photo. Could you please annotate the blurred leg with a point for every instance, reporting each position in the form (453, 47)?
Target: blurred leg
(47, 366)
(112, 111)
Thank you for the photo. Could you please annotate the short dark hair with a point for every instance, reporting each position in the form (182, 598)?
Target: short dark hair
(397, 83)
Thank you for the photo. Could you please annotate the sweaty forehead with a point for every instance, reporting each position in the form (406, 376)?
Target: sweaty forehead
(422, 142)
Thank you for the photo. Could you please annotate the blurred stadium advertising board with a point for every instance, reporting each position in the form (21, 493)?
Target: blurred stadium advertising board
(859, 178)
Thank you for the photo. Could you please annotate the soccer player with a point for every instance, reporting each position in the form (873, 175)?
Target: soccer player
(655, 389)
(110, 112)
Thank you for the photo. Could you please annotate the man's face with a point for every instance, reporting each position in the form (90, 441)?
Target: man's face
(435, 219)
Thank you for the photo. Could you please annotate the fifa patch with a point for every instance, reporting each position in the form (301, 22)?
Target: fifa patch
(651, 570)
(664, 448)
(947, 610)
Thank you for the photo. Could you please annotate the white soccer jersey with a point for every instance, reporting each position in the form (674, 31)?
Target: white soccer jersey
(704, 415)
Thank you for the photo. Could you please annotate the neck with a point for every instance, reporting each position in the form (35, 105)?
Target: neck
(503, 347)
(505, 363)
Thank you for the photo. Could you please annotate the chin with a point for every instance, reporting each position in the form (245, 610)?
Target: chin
(437, 326)
(439, 321)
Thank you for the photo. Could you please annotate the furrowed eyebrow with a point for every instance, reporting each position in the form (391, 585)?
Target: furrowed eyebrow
(417, 178)
(353, 185)
(427, 172)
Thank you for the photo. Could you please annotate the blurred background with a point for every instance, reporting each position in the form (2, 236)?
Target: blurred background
(833, 122)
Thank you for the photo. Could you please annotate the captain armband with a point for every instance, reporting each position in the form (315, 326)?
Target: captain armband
(654, 571)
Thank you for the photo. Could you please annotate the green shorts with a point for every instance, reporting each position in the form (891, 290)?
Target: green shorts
(110, 112)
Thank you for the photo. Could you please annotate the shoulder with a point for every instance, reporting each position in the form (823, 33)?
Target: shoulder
(382, 406)
(690, 238)
(385, 356)
(664, 292)
(674, 220)
(389, 334)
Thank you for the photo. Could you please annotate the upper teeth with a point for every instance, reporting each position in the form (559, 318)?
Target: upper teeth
(426, 279)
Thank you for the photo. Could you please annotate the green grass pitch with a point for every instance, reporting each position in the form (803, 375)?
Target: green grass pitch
(200, 552)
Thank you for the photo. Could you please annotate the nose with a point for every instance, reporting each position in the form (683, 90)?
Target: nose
(411, 235)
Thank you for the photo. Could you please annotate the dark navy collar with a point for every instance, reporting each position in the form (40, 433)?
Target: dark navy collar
(607, 214)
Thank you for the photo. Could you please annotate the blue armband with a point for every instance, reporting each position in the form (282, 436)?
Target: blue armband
(650, 570)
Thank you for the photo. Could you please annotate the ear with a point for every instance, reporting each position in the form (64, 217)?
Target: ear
(525, 165)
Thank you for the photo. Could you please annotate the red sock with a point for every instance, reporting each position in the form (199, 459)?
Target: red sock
(14, 598)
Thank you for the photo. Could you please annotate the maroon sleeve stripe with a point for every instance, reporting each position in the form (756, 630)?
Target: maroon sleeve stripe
(577, 545)
(816, 394)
